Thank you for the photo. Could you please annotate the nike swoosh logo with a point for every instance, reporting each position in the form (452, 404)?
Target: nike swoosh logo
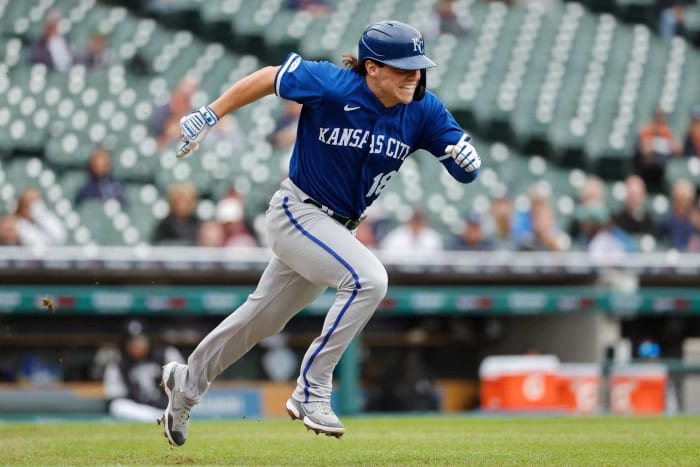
(347, 108)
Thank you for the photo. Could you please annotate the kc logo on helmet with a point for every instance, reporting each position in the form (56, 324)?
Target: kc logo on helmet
(417, 44)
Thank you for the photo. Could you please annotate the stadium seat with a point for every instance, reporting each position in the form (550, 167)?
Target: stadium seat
(99, 217)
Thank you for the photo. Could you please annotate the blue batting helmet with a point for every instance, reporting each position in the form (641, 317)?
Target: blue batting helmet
(395, 44)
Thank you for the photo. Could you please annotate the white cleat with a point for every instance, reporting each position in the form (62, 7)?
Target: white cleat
(176, 418)
(317, 416)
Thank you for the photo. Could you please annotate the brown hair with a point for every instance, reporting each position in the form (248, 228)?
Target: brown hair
(353, 63)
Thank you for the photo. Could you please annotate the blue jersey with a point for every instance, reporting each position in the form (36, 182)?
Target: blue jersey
(348, 144)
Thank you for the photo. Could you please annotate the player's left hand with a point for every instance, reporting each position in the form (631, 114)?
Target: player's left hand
(195, 127)
(464, 154)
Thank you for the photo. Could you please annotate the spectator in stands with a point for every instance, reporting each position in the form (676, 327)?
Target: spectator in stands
(591, 192)
(680, 226)
(416, 235)
(227, 131)
(230, 213)
(180, 226)
(52, 48)
(507, 2)
(655, 145)
(100, 184)
(157, 8)
(132, 383)
(692, 138)
(499, 225)
(598, 235)
(285, 133)
(535, 228)
(365, 234)
(36, 224)
(445, 20)
(9, 235)
(634, 217)
(165, 121)
(96, 54)
(450, 22)
(315, 7)
(472, 237)
(671, 18)
(211, 234)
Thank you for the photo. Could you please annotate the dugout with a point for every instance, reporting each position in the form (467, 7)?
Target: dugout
(443, 316)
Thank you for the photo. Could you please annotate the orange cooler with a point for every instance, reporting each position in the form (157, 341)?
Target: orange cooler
(519, 382)
(579, 387)
(638, 389)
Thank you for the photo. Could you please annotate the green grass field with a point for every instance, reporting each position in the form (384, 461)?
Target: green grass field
(462, 440)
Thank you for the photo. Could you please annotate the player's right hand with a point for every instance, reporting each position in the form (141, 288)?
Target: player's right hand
(194, 127)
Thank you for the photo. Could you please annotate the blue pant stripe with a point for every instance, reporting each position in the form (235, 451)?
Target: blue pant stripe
(347, 303)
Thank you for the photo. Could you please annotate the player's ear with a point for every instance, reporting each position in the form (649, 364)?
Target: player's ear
(370, 67)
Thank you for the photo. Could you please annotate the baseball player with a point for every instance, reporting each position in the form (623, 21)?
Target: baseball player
(357, 126)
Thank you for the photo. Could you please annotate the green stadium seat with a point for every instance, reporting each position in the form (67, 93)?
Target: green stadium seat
(93, 215)
(682, 168)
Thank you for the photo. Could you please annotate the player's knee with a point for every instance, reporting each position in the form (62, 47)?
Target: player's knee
(375, 284)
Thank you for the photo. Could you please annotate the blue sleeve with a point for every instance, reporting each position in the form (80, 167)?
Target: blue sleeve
(439, 131)
(458, 173)
(304, 81)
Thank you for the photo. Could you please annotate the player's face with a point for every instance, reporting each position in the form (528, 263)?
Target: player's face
(393, 86)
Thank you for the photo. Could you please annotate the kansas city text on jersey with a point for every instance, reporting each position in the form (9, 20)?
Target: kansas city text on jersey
(359, 138)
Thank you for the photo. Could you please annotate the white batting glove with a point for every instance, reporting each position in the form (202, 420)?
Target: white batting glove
(194, 127)
(464, 154)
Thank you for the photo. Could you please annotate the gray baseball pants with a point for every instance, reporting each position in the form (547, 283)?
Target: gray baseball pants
(312, 252)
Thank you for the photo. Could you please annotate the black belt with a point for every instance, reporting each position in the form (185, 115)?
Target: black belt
(348, 223)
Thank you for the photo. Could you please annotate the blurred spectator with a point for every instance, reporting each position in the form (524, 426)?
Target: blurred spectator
(9, 235)
(680, 226)
(499, 225)
(671, 18)
(591, 192)
(100, 184)
(229, 212)
(52, 48)
(506, 2)
(535, 228)
(96, 55)
(365, 234)
(211, 234)
(180, 226)
(132, 383)
(285, 133)
(158, 8)
(692, 137)
(445, 20)
(36, 224)
(315, 7)
(634, 217)
(450, 22)
(416, 235)
(229, 131)
(598, 235)
(655, 145)
(165, 121)
(472, 237)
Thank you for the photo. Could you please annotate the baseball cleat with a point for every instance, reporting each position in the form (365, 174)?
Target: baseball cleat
(317, 417)
(176, 418)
